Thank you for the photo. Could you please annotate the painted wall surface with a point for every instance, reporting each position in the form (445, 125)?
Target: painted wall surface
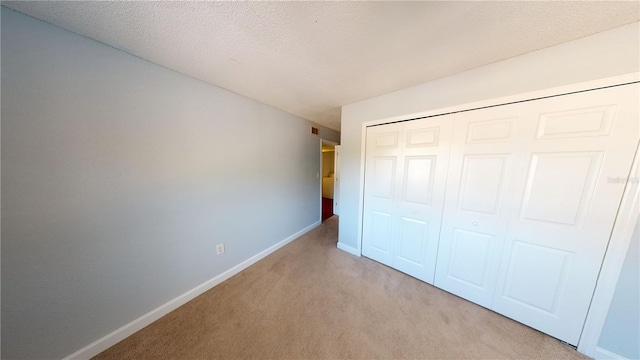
(119, 177)
(610, 53)
(621, 332)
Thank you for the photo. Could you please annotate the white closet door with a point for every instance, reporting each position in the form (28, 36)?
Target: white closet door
(405, 177)
(571, 151)
(380, 199)
(477, 206)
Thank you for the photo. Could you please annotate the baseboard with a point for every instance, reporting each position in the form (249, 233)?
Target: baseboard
(349, 249)
(602, 354)
(129, 329)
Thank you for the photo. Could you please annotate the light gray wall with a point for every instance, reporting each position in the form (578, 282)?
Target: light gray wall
(622, 329)
(119, 177)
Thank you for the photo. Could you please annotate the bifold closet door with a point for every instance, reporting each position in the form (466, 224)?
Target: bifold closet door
(477, 206)
(405, 177)
(531, 204)
(571, 149)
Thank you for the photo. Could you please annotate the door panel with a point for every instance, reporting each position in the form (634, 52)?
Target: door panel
(565, 205)
(384, 177)
(383, 149)
(592, 121)
(418, 179)
(409, 249)
(483, 182)
(411, 192)
(386, 140)
(476, 210)
(471, 251)
(573, 175)
(381, 231)
(422, 137)
(491, 131)
(537, 287)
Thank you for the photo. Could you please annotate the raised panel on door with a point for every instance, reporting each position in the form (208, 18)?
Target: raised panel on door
(405, 176)
(379, 232)
(476, 213)
(532, 285)
(383, 177)
(483, 182)
(408, 249)
(419, 172)
(570, 147)
(470, 257)
(383, 152)
(572, 175)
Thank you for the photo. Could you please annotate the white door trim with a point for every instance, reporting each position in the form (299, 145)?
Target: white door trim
(336, 180)
(527, 96)
(321, 171)
(618, 244)
(613, 261)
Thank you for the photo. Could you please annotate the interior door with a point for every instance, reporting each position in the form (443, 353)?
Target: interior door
(380, 196)
(477, 205)
(572, 150)
(405, 176)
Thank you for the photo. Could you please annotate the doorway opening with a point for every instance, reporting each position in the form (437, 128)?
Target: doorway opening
(328, 172)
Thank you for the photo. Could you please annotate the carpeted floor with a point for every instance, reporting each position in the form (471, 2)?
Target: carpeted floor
(310, 300)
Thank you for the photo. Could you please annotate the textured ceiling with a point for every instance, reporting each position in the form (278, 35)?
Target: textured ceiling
(310, 58)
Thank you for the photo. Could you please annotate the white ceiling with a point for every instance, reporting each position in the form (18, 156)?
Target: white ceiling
(310, 58)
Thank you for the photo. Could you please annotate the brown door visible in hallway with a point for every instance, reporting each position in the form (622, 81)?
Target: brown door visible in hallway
(327, 208)
(327, 169)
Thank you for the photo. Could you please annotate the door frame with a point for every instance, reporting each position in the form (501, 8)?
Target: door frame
(322, 141)
(622, 228)
(336, 180)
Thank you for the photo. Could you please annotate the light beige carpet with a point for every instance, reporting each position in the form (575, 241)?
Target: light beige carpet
(310, 300)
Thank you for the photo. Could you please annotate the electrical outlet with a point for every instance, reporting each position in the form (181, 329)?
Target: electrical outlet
(219, 249)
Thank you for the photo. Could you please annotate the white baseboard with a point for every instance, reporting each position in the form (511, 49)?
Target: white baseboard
(349, 249)
(602, 354)
(129, 329)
